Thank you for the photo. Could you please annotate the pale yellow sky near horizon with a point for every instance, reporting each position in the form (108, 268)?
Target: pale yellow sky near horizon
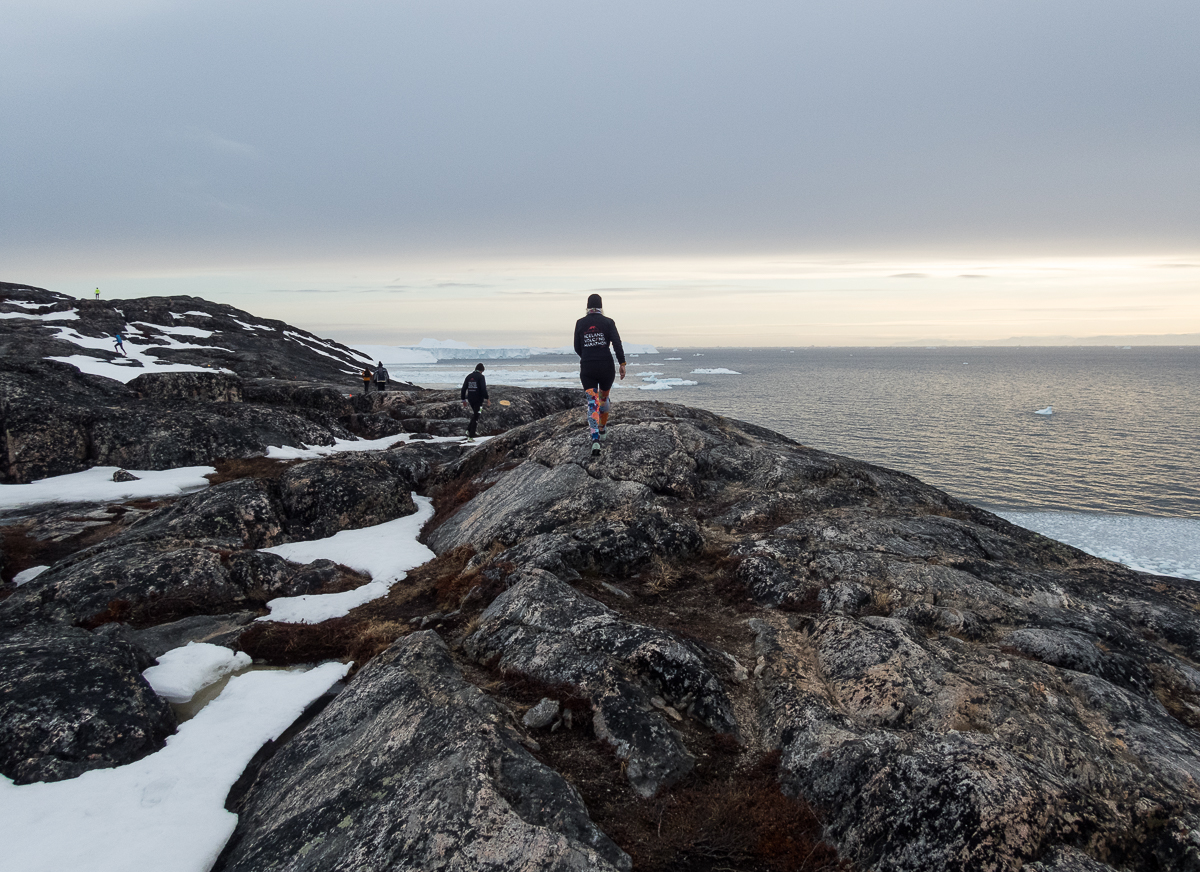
(746, 300)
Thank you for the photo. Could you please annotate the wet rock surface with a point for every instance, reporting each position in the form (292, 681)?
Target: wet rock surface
(414, 768)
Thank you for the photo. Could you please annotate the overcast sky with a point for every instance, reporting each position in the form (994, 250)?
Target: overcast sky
(735, 173)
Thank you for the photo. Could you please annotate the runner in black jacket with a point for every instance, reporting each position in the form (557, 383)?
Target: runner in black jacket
(474, 392)
(593, 334)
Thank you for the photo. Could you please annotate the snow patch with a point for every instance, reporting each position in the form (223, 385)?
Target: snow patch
(165, 812)
(28, 575)
(178, 330)
(95, 485)
(311, 452)
(49, 316)
(196, 314)
(720, 370)
(385, 551)
(181, 673)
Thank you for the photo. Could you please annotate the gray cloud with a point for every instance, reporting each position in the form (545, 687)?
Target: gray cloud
(292, 128)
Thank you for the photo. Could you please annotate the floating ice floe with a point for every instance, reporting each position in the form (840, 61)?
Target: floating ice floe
(385, 551)
(165, 812)
(95, 485)
(720, 370)
(674, 358)
(1162, 546)
(181, 673)
(665, 384)
(1049, 410)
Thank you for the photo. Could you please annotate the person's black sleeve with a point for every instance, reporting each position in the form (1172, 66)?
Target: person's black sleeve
(579, 338)
(482, 388)
(462, 395)
(616, 343)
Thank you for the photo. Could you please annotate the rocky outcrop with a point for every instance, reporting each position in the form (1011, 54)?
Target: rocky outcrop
(540, 628)
(349, 491)
(199, 554)
(707, 612)
(71, 701)
(414, 768)
(957, 693)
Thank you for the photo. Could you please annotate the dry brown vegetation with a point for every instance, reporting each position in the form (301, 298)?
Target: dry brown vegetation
(729, 814)
(23, 550)
(264, 468)
(438, 586)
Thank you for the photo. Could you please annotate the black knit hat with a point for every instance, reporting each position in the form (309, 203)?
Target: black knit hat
(479, 367)
(594, 302)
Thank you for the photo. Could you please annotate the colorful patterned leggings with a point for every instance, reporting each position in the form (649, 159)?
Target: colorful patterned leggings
(597, 407)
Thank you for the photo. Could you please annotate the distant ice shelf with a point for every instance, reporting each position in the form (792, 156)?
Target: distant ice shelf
(434, 350)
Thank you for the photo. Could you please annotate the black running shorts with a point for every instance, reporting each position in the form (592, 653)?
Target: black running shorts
(597, 374)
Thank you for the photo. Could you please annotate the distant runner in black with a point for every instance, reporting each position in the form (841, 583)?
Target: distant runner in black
(381, 377)
(593, 334)
(366, 375)
(473, 394)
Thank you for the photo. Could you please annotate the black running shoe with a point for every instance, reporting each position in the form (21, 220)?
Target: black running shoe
(595, 448)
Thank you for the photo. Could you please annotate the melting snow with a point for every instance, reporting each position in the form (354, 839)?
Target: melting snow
(181, 673)
(165, 812)
(49, 316)
(95, 485)
(28, 575)
(125, 369)
(385, 551)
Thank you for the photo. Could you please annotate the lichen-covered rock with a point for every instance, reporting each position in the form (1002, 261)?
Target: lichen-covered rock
(156, 641)
(543, 629)
(71, 701)
(957, 693)
(135, 579)
(349, 491)
(236, 514)
(220, 387)
(413, 768)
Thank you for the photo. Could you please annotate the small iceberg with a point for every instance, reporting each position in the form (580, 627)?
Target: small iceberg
(1049, 410)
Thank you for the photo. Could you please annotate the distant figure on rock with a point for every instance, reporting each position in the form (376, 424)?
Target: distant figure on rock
(97, 293)
(367, 375)
(381, 377)
(473, 394)
(119, 344)
(593, 334)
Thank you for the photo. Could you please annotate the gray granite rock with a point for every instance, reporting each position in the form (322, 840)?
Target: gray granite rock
(413, 768)
(543, 629)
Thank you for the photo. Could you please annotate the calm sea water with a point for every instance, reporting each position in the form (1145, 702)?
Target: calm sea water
(1123, 438)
